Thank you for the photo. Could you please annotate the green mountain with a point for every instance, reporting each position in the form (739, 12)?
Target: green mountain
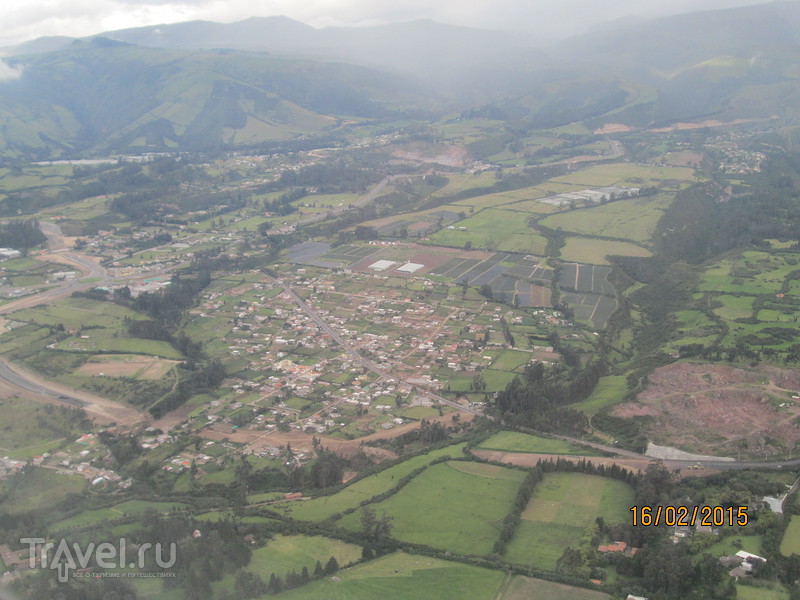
(103, 95)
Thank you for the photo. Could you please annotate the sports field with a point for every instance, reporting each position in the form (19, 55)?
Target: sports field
(562, 507)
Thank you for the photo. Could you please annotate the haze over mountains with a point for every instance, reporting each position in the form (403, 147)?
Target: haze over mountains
(201, 85)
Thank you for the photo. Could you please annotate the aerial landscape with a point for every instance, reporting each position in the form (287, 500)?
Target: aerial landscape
(400, 306)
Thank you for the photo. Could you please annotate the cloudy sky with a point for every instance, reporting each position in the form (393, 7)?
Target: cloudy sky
(27, 19)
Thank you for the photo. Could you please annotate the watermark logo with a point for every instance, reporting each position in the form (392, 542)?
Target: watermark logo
(65, 557)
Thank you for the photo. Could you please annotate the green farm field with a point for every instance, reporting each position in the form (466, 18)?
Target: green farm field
(791, 539)
(626, 174)
(594, 251)
(457, 506)
(562, 507)
(493, 229)
(633, 219)
(323, 507)
(32, 428)
(40, 489)
(402, 576)
(609, 391)
(286, 552)
(74, 313)
(513, 441)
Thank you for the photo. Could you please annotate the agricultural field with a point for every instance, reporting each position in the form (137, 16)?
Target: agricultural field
(458, 506)
(30, 428)
(594, 251)
(513, 441)
(492, 229)
(39, 489)
(75, 313)
(525, 588)
(134, 366)
(285, 552)
(562, 507)
(791, 539)
(351, 496)
(628, 174)
(775, 592)
(587, 291)
(753, 294)
(634, 219)
(610, 390)
(402, 576)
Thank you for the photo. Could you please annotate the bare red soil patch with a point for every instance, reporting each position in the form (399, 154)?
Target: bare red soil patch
(719, 410)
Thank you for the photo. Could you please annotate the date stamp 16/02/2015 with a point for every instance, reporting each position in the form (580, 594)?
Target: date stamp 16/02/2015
(689, 516)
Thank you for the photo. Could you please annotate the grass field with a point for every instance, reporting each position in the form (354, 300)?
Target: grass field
(40, 489)
(29, 428)
(627, 173)
(562, 507)
(633, 219)
(510, 360)
(513, 441)
(594, 251)
(726, 546)
(401, 576)
(457, 506)
(84, 519)
(526, 588)
(75, 313)
(791, 539)
(493, 229)
(747, 592)
(286, 552)
(321, 508)
(609, 391)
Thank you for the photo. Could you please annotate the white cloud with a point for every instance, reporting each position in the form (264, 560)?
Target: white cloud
(9, 72)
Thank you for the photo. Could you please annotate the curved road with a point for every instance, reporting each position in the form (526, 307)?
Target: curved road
(18, 378)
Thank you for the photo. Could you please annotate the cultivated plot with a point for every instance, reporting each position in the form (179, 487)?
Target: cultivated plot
(457, 506)
(562, 507)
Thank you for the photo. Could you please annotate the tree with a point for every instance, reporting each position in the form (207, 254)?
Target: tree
(331, 566)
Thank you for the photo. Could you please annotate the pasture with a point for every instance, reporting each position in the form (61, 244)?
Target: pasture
(562, 507)
(126, 365)
(513, 441)
(790, 544)
(402, 576)
(525, 588)
(31, 428)
(493, 229)
(457, 506)
(627, 174)
(286, 552)
(74, 313)
(609, 391)
(39, 489)
(324, 507)
(634, 219)
(594, 251)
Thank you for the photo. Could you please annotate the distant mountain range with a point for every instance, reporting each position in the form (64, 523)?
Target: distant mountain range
(203, 85)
